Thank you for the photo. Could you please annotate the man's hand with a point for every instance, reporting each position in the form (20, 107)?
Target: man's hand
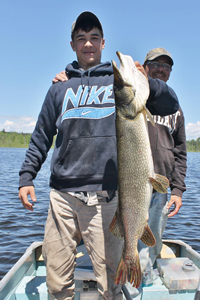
(23, 193)
(177, 201)
(141, 68)
(62, 76)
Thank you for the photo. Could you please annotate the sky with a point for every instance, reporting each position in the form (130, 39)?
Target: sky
(35, 46)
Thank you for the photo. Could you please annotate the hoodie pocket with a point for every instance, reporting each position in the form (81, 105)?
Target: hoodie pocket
(62, 158)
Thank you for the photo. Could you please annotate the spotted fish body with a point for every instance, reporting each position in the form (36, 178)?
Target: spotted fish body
(135, 167)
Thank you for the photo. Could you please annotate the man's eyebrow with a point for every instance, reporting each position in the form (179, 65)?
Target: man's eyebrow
(79, 35)
(96, 34)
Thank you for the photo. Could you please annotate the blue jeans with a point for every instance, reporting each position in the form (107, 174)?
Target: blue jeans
(158, 215)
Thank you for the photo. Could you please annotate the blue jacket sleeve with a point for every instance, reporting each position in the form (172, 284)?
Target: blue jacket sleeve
(162, 99)
(40, 143)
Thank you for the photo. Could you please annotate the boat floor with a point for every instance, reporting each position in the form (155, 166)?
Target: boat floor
(34, 287)
(33, 284)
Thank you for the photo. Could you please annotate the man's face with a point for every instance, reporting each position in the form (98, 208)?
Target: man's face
(159, 72)
(88, 47)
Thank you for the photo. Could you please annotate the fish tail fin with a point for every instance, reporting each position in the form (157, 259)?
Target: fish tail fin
(160, 183)
(121, 275)
(115, 227)
(136, 274)
(147, 237)
(129, 270)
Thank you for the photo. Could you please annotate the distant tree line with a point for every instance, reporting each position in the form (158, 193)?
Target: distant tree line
(21, 140)
(14, 139)
(193, 146)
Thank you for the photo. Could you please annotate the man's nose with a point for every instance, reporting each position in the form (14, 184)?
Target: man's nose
(88, 43)
(160, 67)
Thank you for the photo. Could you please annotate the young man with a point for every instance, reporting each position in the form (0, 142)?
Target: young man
(81, 111)
(168, 144)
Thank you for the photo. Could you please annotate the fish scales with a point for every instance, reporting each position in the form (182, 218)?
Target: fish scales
(135, 167)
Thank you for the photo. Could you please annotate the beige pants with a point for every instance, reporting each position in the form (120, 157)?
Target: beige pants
(68, 221)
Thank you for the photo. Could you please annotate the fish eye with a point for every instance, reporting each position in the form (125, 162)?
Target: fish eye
(115, 88)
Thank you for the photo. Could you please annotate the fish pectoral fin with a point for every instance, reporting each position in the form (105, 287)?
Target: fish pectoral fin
(149, 115)
(115, 227)
(129, 270)
(160, 183)
(147, 237)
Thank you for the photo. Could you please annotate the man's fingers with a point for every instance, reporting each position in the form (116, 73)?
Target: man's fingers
(32, 194)
(173, 212)
(177, 202)
(26, 204)
(60, 77)
(23, 196)
(140, 68)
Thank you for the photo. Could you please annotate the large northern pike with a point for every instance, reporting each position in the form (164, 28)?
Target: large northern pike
(135, 167)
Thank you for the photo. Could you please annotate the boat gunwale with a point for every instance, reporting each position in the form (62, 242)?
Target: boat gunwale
(18, 268)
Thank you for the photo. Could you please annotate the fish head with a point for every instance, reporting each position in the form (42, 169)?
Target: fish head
(131, 87)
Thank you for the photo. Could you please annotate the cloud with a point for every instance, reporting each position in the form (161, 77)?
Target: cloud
(193, 131)
(17, 124)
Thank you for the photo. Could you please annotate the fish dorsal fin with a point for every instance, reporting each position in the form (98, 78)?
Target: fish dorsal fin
(160, 183)
(149, 115)
(147, 237)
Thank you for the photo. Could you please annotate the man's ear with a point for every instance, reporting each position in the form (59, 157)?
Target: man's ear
(144, 66)
(72, 45)
(103, 43)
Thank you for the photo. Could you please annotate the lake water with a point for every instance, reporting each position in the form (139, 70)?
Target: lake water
(19, 227)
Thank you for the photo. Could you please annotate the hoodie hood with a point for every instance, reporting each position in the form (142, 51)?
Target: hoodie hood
(73, 69)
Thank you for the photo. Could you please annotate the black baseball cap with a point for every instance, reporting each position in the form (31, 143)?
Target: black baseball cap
(86, 15)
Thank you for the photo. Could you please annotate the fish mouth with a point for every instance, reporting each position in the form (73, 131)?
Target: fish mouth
(119, 81)
(119, 55)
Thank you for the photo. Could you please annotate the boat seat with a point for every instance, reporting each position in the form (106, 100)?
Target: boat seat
(168, 252)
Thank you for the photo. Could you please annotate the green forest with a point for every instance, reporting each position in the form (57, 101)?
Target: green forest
(193, 146)
(14, 139)
(21, 140)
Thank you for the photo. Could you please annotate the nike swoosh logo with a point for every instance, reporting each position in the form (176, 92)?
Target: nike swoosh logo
(85, 112)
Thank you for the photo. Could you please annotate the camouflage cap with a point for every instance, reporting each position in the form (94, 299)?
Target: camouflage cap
(154, 53)
(86, 15)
